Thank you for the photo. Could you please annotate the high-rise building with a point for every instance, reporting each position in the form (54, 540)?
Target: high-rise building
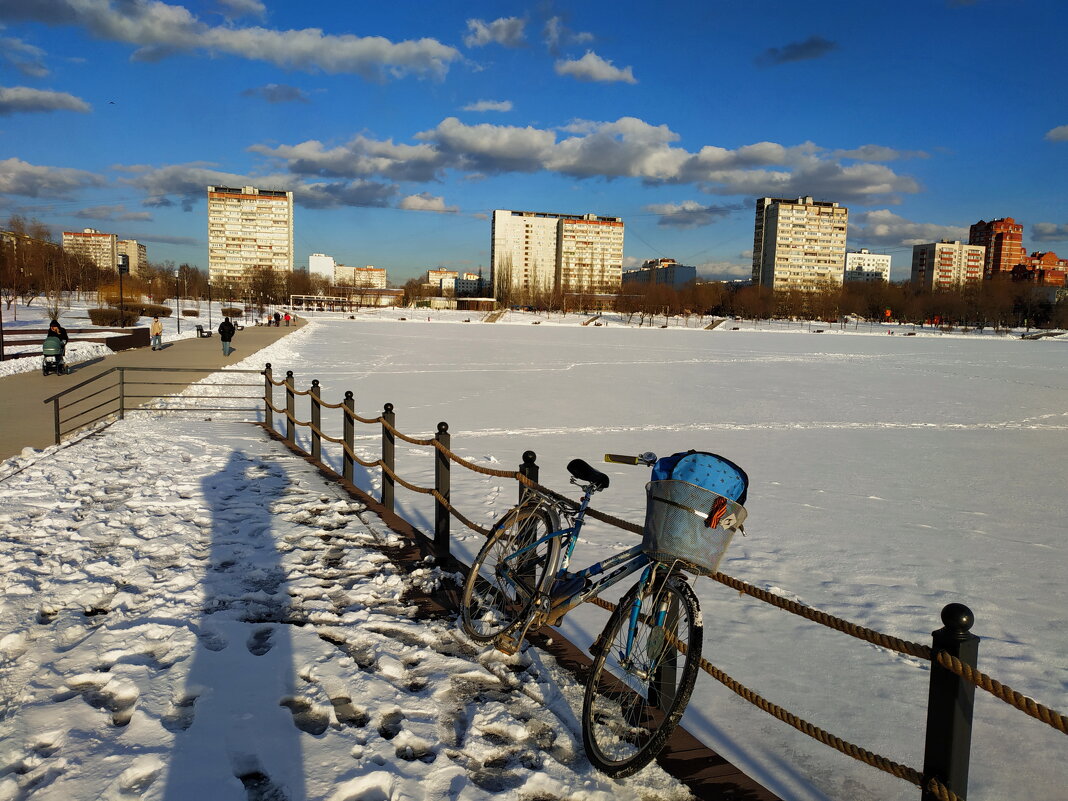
(946, 265)
(864, 266)
(321, 265)
(248, 229)
(1003, 240)
(137, 254)
(369, 277)
(101, 249)
(539, 252)
(798, 243)
(661, 272)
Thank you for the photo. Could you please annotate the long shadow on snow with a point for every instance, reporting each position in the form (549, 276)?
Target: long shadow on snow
(231, 733)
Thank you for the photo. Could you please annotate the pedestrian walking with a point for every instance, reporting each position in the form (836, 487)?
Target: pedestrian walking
(156, 330)
(226, 333)
(287, 318)
(277, 319)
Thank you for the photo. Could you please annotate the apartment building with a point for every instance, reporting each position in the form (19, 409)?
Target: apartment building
(137, 254)
(369, 277)
(248, 229)
(798, 243)
(864, 266)
(101, 249)
(947, 265)
(540, 252)
(1003, 240)
(321, 266)
(660, 272)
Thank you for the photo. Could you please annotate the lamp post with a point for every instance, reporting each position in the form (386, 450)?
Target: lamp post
(123, 266)
(209, 305)
(177, 302)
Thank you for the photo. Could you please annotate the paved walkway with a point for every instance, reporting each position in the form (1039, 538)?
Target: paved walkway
(25, 421)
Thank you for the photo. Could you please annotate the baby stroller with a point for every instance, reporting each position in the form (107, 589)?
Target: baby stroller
(52, 351)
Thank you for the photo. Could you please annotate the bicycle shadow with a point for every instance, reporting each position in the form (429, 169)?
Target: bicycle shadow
(232, 730)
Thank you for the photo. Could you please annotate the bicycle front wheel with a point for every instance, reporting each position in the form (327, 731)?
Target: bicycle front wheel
(642, 676)
(495, 602)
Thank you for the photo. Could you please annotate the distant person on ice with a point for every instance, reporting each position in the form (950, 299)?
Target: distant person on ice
(277, 319)
(226, 333)
(156, 330)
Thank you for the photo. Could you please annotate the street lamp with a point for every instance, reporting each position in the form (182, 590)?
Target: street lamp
(177, 302)
(209, 305)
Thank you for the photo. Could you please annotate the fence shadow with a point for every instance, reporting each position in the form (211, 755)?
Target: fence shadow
(230, 723)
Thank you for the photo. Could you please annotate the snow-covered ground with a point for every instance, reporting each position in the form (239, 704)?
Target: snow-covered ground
(25, 358)
(890, 476)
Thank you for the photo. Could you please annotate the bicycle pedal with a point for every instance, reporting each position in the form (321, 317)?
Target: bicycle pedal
(507, 645)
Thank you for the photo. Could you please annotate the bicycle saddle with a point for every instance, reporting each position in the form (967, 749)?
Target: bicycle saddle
(583, 472)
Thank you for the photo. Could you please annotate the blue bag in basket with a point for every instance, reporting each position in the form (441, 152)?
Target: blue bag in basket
(695, 504)
(707, 470)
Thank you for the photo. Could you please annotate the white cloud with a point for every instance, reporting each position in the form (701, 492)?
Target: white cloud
(1049, 232)
(426, 202)
(277, 93)
(159, 30)
(626, 148)
(22, 99)
(241, 8)
(557, 34)
(724, 270)
(878, 153)
(507, 31)
(591, 67)
(690, 213)
(489, 105)
(18, 177)
(26, 58)
(883, 228)
(1058, 134)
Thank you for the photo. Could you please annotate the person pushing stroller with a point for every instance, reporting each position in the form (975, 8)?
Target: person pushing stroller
(54, 349)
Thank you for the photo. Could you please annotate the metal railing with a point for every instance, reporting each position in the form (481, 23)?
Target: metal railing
(952, 656)
(123, 393)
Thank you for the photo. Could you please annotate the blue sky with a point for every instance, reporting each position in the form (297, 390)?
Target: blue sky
(401, 126)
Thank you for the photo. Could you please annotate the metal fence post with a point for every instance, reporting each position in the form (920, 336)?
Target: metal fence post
(949, 704)
(268, 397)
(441, 484)
(122, 393)
(55, 411)
(389, 456)
(529, 469)
(291, 407)
(348, 426)
(316, 420)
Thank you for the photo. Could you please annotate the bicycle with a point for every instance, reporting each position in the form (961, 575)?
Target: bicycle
(636, 691)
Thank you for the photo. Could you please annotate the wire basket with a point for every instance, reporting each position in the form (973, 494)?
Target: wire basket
(687, 523)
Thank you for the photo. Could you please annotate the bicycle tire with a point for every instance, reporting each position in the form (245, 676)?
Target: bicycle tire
(489, 606)
(622, 727)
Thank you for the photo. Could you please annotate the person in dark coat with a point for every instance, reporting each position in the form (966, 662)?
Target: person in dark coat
(226, 333)
(56, 330)
(277, 319)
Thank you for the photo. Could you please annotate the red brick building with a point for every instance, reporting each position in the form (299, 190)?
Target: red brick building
(1042, 268)
(1003, 240)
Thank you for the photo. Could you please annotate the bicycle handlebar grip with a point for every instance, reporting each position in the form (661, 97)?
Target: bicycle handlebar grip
(620, 459)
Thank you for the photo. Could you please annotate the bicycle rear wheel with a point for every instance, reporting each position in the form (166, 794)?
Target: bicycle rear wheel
(493, 603)
(633, 703)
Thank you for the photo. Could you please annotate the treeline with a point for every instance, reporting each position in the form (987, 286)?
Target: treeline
(993, 304)
(34, 265)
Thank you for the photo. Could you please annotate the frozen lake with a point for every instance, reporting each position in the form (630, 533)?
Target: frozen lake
(890, 476)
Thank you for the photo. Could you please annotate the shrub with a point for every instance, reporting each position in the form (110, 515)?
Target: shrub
(232, 311)
(190, 313)
(113, 317)
(144, 309)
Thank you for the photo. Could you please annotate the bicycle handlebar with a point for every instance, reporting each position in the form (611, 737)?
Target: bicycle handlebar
(648, 458)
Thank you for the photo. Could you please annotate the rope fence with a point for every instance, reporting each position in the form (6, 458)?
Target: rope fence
(949, 657)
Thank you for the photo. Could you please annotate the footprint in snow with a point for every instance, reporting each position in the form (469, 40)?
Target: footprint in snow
(180, 715)
(259, 643)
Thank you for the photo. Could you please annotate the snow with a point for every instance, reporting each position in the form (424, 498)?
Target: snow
(188, 609)
(24, 358)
